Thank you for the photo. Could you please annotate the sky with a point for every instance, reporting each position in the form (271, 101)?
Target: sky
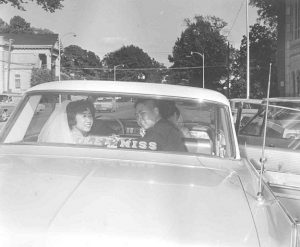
(103, 26)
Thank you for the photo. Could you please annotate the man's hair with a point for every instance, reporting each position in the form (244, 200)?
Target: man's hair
(166, 108)
(76, 107)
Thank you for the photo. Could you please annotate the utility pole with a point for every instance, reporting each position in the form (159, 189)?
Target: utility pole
(59, 51)
(9, 62)
(228, 69)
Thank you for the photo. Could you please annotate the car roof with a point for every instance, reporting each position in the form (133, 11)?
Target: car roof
(284, 99)
(246, 100)
(11, 94)
(132, 88)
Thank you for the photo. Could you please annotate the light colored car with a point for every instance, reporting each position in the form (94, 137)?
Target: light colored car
(117, 189)
(249, 106)
(8, 102)
(282, 146)
(107, 104)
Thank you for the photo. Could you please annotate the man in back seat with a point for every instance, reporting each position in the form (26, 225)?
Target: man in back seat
(158, 129)
(169, 111)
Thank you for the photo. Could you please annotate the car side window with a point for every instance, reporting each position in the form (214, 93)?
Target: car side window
(254, 126)
(42, 112)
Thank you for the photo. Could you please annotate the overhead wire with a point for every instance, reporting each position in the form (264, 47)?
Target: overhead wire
(236, 16)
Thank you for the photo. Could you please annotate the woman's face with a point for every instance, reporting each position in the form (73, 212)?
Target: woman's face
(84, 121)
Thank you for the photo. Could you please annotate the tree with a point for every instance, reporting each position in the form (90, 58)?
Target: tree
(18, 24)
(74, 59)
(268, 10)
(263, 46)
(47, 5)
(4, 27)
(39, 76)
(138, 65)
(202, 35)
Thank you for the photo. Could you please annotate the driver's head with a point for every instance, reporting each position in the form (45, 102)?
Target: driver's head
(147, 113)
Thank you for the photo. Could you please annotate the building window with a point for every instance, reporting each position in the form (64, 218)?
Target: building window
(43, 61)
(17, 81)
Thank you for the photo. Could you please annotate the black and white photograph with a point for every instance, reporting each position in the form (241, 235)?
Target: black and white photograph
(138, 123)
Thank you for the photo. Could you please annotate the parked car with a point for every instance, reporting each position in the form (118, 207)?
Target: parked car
(8, 103)
(118, 189)
(250, 107)
(282, 145)
(108, 104)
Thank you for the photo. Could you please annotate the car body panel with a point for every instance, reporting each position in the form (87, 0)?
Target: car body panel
(281, 152)
(139, 200)
(132, 87)
(282, 172)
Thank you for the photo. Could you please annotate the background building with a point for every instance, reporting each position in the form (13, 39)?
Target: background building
(289, 48)
(20, 53)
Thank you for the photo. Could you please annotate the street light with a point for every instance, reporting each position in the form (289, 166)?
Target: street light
(115, 68)
(202, 55)
(59, 47)
(11, 41)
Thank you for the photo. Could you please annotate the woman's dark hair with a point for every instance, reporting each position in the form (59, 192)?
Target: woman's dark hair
(76, 107)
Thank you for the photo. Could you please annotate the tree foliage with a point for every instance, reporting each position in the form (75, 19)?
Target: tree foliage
(40, 75)
(18, 24)
(135, 65)
(268, 10)
(263, 43)
(202, 35)
(47, 5)
(3, 26)
(80, 64)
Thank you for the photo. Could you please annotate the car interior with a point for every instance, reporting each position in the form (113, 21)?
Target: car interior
(204, 122)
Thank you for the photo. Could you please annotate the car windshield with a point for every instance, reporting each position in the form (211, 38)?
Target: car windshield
(141, 123)
(283, 123)
(4, 98)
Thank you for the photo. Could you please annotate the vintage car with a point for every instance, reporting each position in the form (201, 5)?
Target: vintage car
(250, 107)
(119, 189)
(282, 146)
(8, 103)
(105, 104)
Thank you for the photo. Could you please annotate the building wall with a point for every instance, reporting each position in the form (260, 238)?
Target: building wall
(22, 63)
(291, 44)
(4, 45)
(22, 60)
(281, 50)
